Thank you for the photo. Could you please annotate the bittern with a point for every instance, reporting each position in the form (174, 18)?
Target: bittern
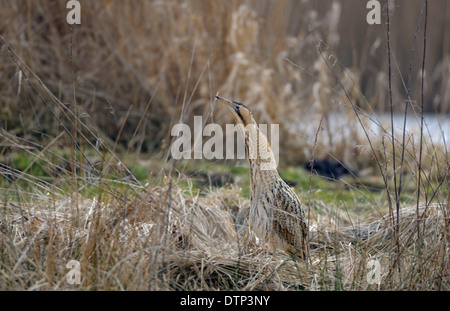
(276, 214)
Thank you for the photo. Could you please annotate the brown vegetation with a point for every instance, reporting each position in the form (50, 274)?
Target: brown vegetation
(74, 102)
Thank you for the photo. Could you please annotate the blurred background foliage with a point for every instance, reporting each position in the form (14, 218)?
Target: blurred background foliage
(138, 67)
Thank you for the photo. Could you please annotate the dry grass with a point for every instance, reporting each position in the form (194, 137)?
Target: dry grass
(72, 102)
(167, 239)
(131, 70)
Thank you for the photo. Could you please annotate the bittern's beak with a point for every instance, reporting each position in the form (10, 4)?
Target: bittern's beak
(226, 101)
(234, 106)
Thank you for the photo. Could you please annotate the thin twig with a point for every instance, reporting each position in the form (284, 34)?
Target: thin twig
(310, 178)
(388, 33)
(407, 102)
(421, 112)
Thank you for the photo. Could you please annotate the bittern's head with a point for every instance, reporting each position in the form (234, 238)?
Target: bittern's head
(241, 113)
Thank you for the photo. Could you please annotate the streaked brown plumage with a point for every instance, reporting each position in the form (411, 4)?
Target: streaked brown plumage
(276, 214)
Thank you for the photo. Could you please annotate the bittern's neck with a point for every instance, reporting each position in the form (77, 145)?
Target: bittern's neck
(259, 153)
(261, 162)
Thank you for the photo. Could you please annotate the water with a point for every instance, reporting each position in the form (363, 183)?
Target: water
(436, 127)
(343, 128)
